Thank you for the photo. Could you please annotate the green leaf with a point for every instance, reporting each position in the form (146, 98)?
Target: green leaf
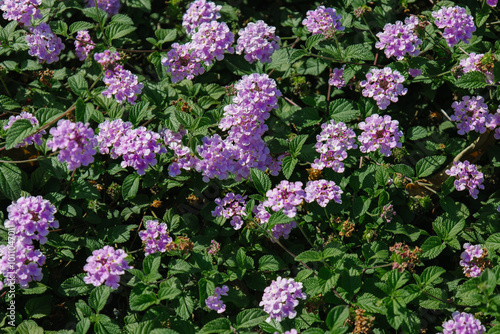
(166, 35)
(151, 264)
(278, 218)
(130, 186)
(18, 132)
(342, 110)
(314, 40)
(169, 290)
(79, 26)
(472, 80)
(429, 165)
(250, 318)
(261, 181)
(336, 319)
(493, 241)
(431, 275)
(47, 115)
(309, 256)
(74, 286)
(83, 326)
(10, 181)
(382, 176)
(83, 189)
(288, 166)
(28, 327)
(6, 103)
(185, 308)
(416, 133)
(115, 30)
(38, 307)
(271, 263)
(359, 51)
(296, 55)
(403, 169)
(78, 84)
(59, 27)
(99, 297)
(141, 298)
(296, 144)
(219, 325)
(185, 119)
(432, 247)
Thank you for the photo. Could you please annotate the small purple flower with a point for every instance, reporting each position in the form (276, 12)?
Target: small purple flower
(285, 196)
(492, 3)
(110, 134)
(214, 248)
(33, 139)
(231, 207)
(155, 238)
(388, 213)
(337, 77)
(467, 177)
(471, 253)
(471, 114)
(27, 265)
(322, 191)
(379, 133)
(211, 41)
(214, 302)
(122, 84)
(457, 24)
(473, 62)
(384, 86)
(107, 59)
(414, 72)
(400, 39)
(44, 44)
(323, 21)
(109, 6)
(106, 265)
(83, 44)
(281, 297)
(181, 62)
(75, 141)
(22, 11)
(200, 11)
(463, 323)
(259, 41)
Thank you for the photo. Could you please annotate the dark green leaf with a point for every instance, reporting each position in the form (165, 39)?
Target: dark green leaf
(130, 186)
(429, 165)
(80, 25)
(18, 132)
(99, 297)
(288, 166)
(432, 247)
(38, 307)
(261, 181)
(250, 318)
(219, 325)
(472, 80)
(115, 31)
(6, 103)
(336, 319)
(359, 51)
(78, 84)
(309, 256)
(10, 181)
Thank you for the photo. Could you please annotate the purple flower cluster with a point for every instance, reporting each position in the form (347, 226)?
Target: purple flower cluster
(472, 115)
(27, 267)
(492, 3)
(463, 323)
(467, 177)
(323, 21)
(384, 86)
(322, 191)
(155, 238)
(22, 11)
(181, 62)
(231, 206)
(44, 44)
(109, 6)
(457, 24)
(122, 84)
(33, 139)
(83, 44)
(214, 248)
(183, 159)
(414, 72)
(110, 134)
(400, 39)
(211, 41)
(337, 77)
(259, 41)
(76, 142)
(281, 297)
(107, 59)
(388, 213)
(332, 143)
(379, 133)
(473, 62)
(30, 218)
(106, 265)
(291, 331)
(200, 11)
(468, 257)
(214, 302)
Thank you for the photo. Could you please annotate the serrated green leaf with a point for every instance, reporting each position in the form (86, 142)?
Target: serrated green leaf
(279, 218)
(78, 84)
(296, 144)
(358, 51)
(416, 133)
(99, 297)
(6, 103)
(336, 319)
(250, 318)
(493, 241)
(75, 286)
(428, 165)
(130, 186)
(382, 176)
(79, 26)
(10, 181)
(38, 307)
(288, 166)
(115, 30)
(219, 325)
(271, 263)
(472, 80)
(296, 55)
(432, 247)
(309, 256)
(314, 40)
(151, 264)
(342, 110)
(261, 181)
(18, 132)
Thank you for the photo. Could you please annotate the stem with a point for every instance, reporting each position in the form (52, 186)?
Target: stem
(5, 86)
(342, 61)
(100, 24)
(307, 238)
(328, 93)
(371, 32)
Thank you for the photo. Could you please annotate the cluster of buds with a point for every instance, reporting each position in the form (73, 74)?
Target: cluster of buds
(182, 244)
(404, 257)
(347, 229)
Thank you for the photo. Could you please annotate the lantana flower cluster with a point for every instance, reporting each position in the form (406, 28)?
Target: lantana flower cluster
(105, 266)
(214, 302)
(379, 133)
(109, 6)
(198, 12)
(83, 44)
(43, 43)
(457, 24)
(400, 39)
(469, 259)
(384, 86)
(472, 114)
(258, 41)
(183, 159)
(322, 192)
(155, 238)
(27, 267)
(21, 11)
(467, 177)
(231, 207)
(463, 323)
(281, 298)
(182, 62)
(32, 139)
(337, 77)
(474, 62)
(323, 21)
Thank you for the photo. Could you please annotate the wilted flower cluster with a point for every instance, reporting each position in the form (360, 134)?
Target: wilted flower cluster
(83, 44)
(379, 133)
(400, 39)
(200, 11)
(109, 6)
(182, 63)
(231, 207)
(404, 257)
(463, 323)
(322, 191)
(214, 302)
(259, 41)
(471, 114)
(22, 11)
(34, 138)
(384, 86)
(332, 143)
(27, 266)
(388, 213)
(337, 77)
(75, 141)
(457, 24)
(44, 44)
(122, 84)
(155, 238)
(281, 298)
(470, 258)
(467, 177)
(323, 21)
(106, 265)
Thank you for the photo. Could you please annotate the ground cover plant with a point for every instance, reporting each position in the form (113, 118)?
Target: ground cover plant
(249, 166)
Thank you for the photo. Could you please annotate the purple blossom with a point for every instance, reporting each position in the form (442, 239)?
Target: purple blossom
(214, 248)
(211, 41)
(323, 21)
(471, 253)
(467, 177)
(463, 323)
(182, 154)
(400, 39)
(122, 84)
(155, 238)
(44, 44)
(281, 297)
(388, 213)
(379, 133)
(27, 265)
(286, 196)
(492, 3)
(322, 191)
(109, 6)
(110, 134)
(415, 72)
(473, 62)
(75, 141)
(31, 217)
(200, 11)
(106, 265)
(384, 86)
(332, 143)
(259, 41)
(181, 62)
(471, 114)
(257, 91)
(22, 11)
(32, 139)
(107, 59)
(457, 24)
(214, 302)
(83, 44)
(231, 207)
(337, 77)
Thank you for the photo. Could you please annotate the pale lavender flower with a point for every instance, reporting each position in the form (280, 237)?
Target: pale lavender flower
(467, 177)
(33, 139)
(27, 265)
(281, 298)
(211, 41)
(323, 21)
(471, 254)
(106, 265)
(231, 207)
(21, 11)
(214, 302)
(379, 133)
(109, 6)
(107, 59)
(291, 331)
(155, 238)
(337, 77)
(415, 72)
(122, 84)
(471, 114)
(473, 62)
(259, 42)
(200, 11)
(257, 91)
(109, 134)
(463, 323)
(322, 191)
(83, 44)
(44, 44)
(457, 24)
(384, 86)
(181, 62)
(286, 196)
(400, 39)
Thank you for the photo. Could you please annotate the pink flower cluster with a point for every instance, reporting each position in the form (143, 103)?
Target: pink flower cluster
(281, 298)
(33, 139)
(182, 63)
(332, 143)
(231, 207)
(323, 21)
(83, 44)
(109, 6)
(200, 11)
(492, 3)
(457, 24)
(107, 59)
(259, 42)
(21, 11)
(473, 62)
(322, 191)
(379, 133)
(337, 77)
(467, 177)
(155, 238)
(472, 115)
(183, 159)
(384, 86)
(214, 247)
(27, 267)
(400, 39)
(106, 265)
(463, 323)
(75, 141)
(471, 253)
(214, 302)
(44, 44)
